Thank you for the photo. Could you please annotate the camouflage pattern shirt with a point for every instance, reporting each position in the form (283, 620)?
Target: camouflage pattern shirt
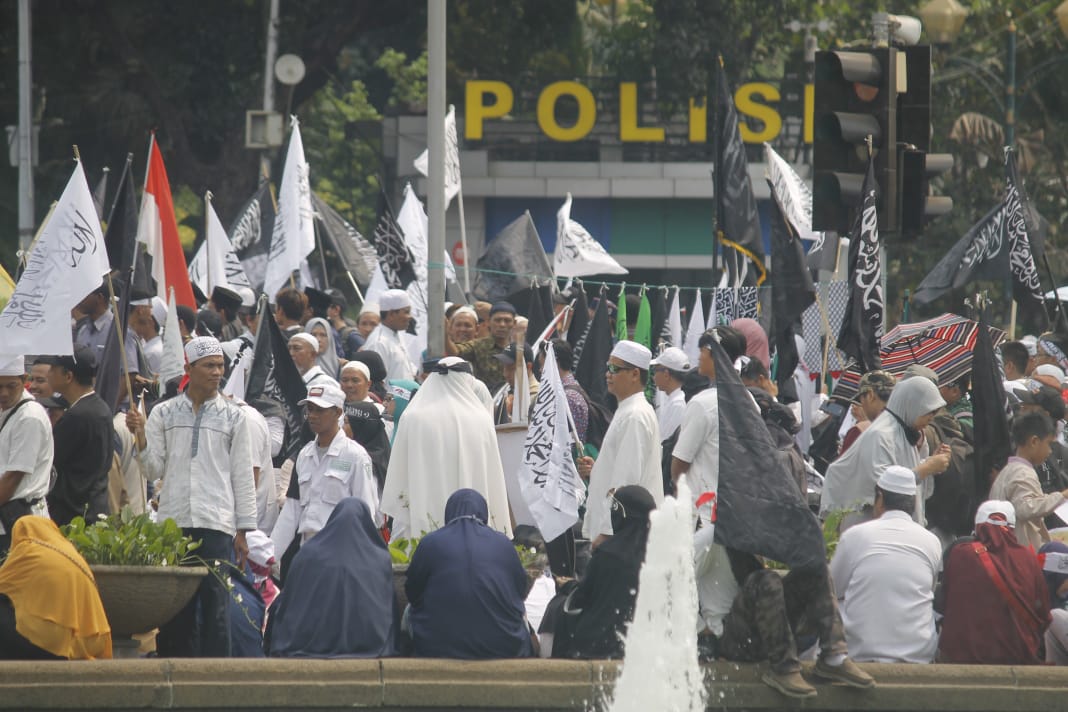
(480, 353)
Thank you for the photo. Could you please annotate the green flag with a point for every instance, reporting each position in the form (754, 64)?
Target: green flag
(621, 315)
(643, 328)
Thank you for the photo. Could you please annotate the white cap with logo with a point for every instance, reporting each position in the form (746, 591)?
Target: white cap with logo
(325, 396)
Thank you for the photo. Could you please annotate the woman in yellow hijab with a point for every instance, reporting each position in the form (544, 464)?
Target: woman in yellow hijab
(49, 605)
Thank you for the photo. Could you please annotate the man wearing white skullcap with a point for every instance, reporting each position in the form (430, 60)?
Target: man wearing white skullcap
(386, 338)
(198, 443)
(630, 451)
(26, 449)
(884, 572)
(304, 348)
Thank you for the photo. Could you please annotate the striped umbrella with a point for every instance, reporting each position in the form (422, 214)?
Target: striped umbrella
(944, 344)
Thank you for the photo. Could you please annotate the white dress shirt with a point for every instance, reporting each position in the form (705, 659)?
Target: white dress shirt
(630, 455)
(698, 444)
(387, 343)
(344, 470)
(884, 573)
(260, 446)
(26, 446)
(205, 461)
(669, 412)
(153, 350)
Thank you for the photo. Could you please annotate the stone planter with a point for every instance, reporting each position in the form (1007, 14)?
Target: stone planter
(138, 599)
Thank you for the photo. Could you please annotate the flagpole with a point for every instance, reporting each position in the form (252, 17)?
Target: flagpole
(122, 352)
(207, 247)
(1012, 322)
(463, 243)
(322, 255)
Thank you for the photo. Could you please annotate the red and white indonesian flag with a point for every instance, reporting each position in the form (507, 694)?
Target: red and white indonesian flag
(577, 254)
(158, 230)
(293, 237)
(67, 262)
(452, 159)
(215, 264)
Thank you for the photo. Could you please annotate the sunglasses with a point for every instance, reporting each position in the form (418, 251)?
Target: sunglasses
(614, 369)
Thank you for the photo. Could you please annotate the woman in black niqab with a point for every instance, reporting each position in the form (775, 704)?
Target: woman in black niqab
(597, 611)
(339, 600)
(369, 429)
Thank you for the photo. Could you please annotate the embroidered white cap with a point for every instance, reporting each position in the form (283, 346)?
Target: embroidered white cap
(897, 479)
(16, 366)
(201, 347)
(633, 353)
(393, 299)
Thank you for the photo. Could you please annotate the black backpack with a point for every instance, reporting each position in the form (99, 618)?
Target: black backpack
(598, 417)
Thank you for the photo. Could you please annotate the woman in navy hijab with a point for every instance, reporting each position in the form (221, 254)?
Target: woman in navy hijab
(466, 588)
(338, 601)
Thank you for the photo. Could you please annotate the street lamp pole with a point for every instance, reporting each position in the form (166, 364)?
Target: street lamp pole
(1010, 85)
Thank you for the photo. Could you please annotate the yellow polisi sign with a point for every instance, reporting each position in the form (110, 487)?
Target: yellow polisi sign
(486, 100)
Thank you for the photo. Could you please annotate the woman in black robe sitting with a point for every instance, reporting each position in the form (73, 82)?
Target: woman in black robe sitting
(338, 601)
(590, 618)
(466, 588)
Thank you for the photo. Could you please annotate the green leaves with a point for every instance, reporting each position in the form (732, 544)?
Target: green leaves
(126, 539)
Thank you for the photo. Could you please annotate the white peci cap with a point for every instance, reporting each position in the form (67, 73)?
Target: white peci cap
(633, 353)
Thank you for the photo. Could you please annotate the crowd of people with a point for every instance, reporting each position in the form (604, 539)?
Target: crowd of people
(936, 562)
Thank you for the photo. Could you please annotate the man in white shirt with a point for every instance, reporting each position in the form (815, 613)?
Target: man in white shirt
(25, 451)
(147, 318)
(884, 572)
(198, 444)
(328, 469)
(386, 339)
(630, 452)
(696, 452)
(304, 349)
(669, 370)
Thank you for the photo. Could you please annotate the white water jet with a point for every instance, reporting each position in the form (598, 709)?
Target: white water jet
(660, 667)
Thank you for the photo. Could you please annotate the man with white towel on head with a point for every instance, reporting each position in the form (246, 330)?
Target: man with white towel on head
(630, 452)
(386, 340)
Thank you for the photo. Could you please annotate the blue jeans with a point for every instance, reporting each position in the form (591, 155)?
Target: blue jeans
(183, 637)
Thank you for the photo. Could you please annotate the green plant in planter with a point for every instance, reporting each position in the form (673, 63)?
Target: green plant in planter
(401, 551)
(126, 539)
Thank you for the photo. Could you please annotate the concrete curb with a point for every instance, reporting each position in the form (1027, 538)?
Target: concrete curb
(419, 684)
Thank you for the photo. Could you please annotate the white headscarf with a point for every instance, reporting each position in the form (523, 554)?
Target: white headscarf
(327, 360)
(850, 480)
(448, 442)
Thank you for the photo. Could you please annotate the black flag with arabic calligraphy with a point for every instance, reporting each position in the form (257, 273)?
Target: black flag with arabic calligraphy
(394, 257)
(980, 254)
(1026, 285)
(862, 326)
(737, 220)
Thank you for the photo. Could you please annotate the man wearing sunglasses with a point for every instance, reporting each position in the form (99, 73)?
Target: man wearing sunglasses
(630, 452)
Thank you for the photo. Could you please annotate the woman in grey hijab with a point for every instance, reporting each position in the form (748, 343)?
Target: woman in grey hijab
(894, 438)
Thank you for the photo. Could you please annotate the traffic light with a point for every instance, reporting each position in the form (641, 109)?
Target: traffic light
(916, 164)
(917, 204)
(855, 97)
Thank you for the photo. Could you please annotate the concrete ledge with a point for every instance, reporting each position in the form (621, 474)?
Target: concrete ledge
(412, 685)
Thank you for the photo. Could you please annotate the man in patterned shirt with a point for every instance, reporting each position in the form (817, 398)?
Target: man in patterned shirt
(480, 353)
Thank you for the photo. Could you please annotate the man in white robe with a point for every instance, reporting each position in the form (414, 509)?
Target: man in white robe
(448, 442)
(386, 339)
(630, 452)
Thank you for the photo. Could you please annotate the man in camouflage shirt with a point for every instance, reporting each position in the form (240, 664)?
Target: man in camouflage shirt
(481, 352)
